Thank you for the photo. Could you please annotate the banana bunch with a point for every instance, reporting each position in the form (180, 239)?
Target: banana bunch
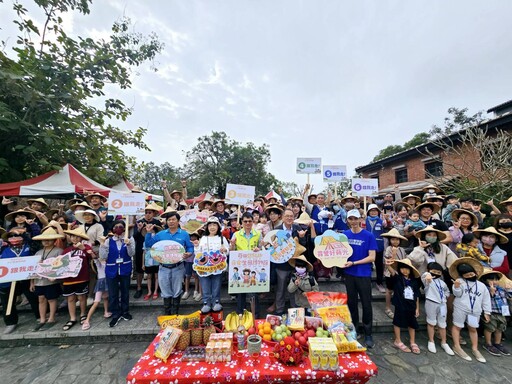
(233, 321)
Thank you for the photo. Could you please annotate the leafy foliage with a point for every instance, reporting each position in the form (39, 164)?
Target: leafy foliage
(50, 92)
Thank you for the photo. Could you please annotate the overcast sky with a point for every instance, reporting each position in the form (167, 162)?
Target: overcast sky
(334, 79)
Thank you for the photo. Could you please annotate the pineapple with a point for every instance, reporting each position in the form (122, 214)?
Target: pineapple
(184, 340)
(209, 328)
(196, 333)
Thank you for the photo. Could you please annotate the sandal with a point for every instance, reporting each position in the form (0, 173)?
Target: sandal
(147, 297)
(389, 313)
(415, 349)
(401, 346)
(107, 315)
(85, 325)
(69, 325)
(38, 327)
(48, 325)
(155, 296)
(82, 319)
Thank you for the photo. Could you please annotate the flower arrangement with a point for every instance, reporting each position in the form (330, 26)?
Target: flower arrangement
(288, 351)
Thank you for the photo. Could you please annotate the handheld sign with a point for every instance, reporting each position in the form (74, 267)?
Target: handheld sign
(167, 252)
(332, 249)
(239, 194)
(18, 268)
(365, 187)
(309, 165)
(210, 263)
(59, 267)
(249, 272)
(334, 173)
(280, 245)
(126, 203)
(191, 219)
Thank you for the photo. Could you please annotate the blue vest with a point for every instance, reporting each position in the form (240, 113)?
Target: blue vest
(321, 225)
(114, 269)
(377, 229)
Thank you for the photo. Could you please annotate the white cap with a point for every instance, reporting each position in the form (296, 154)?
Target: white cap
(354, 213)
(372, 206)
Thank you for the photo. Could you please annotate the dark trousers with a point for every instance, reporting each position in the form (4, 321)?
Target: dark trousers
(21, 287)
(118, 295)
(360, 288)
(241, 300)
(379, 267)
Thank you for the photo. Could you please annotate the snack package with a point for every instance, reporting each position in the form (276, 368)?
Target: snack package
(168, 339)
(177, 320)
(331, 315)
(345, 337)
(325, 299)
(194, 354)
(313, 322)
(295, 321)
(323, 354)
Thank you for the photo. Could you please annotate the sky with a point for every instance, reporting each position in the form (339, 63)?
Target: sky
(334, 79)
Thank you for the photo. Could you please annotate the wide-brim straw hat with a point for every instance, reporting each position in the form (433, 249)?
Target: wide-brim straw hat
(440, 234)
(153, 207)
(203, 203)
(5, 235)
(431, 199)
(502, 239)
(49, 214)
(292, 261)
(11, 215)
(410, 195)
(304, 219)
(261, 197)
(403, 204)
(465, 260)
(77, 232)
(458, 212)
(80, 215)
(214, 204)
(490, 271)
(39, 200)
(48, 234)
(73, 201)
(349, 196)
(406, 262)
(431, 186)
(395, 234)
(296, 199)
(178, 192)
(91, 195)
(81, 204)
(167, 212)
(508, 201)
(435, 208)
(273, 207)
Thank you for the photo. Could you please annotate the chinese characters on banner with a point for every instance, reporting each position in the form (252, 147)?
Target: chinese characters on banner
(249, 272)
(167, 252)
(126, 203)
(59, 267)
(209, 263)
(309, 165)
(18, 268)
(332, 249)
(365, 187)
(334, 173)
(280, 245)
(239, 194)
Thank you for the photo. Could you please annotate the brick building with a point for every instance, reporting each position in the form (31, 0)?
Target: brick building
(411, 170)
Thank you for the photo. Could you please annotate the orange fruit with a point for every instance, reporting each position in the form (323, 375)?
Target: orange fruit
(267, 337)
(267, 329)
(267, 324)
(260, 326)
(261, 332)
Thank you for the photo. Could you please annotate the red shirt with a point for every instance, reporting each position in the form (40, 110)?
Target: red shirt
(86, 256)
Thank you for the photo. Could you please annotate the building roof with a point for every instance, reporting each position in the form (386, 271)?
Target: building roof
(504, 105)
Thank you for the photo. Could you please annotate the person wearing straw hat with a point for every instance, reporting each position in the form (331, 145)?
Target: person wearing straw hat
(463, 222)
(394, 251)
(176, 199)
(472, 299)
(151, 211)
(500, 310)
(17, 246)
(74, 288)
(503, 224)
(411, 200)
(451, 204)
(74, 208)
(98, 204)
(430, 191)
(38, 207)
(23, 219)
(439, 201)
(406, 299)
(426, 210)
(358, 272)
(47, 291)
(219, 209)
(489, 240)
(508, 205)
(320, 213)
(274, 212)
(302, 281)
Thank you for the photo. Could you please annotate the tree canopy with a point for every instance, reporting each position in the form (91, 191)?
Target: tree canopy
(53, 104)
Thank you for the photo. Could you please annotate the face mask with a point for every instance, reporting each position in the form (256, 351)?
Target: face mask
(300, 270)
(118, 231)
(431, 190)
(435, 276)
(379, 201)
(388, 207)
(488, 240)
(506, 225)
(349, 206)
(430, 239)
(472, 278)
(336, 208)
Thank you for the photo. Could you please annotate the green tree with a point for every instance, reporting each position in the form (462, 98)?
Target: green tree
(217, 160)
(149, 176)
(51, 90)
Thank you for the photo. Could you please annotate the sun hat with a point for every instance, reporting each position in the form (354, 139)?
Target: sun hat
(49, 213)
(295, 199)
(39, 200)
(176, 191)
(80, 215)
(440, 234)
(5, 235)
(304, 219)
(168, 211)
(81, 204)
(153, 207)
(408, 263)
(72, 201)
(273, 207)
(393, 232)
(431, 199)
(292, 261)
(91, 195)
(434, 207)
(490, 271)
(79, 231)
(502, 239)
(431, 186)
(349, 196)
(217, 201)
(11, 215)
(213, 219)
(408, 207)
(506, 202)
(454, 273)
(203, 203)
(354, 213)
(410, 195)
(458, 212)
(48, 234)
(373, 206)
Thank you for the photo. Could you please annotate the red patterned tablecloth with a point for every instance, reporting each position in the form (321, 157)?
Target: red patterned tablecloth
(354, 368)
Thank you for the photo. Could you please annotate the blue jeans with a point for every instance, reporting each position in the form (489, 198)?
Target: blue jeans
(171, 281)
(118, 288)
(211, 288)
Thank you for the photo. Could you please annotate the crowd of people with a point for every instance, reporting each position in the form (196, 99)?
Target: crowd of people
(444, 248)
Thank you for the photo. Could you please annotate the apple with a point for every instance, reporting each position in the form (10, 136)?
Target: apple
(302, 340)
(252, 331)
(297, 335)
(311, 333)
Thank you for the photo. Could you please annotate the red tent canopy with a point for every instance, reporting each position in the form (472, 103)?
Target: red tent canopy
(201, 197)
(68, 180)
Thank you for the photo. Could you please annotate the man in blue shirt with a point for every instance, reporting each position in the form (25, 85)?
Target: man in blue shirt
(170, 276)
(358, 273)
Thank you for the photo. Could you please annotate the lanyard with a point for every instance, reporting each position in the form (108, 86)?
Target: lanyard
(439, 288)
(472, 298)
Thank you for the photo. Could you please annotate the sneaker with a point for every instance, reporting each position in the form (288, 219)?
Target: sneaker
(504, 351)
(460, 352)
(368, 340)
(217, 307)
(9, 329)
(114, 321)
(199, 297)
(138, 294)
(206, 308)
(195, 295)
(447, 349)
(126, 317)
(492, 350)
(381, 288)
(478, 356)
(431, 346)
(186, 295)
(90, 301)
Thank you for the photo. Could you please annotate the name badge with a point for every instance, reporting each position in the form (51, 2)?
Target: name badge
(119, 260)
(408, 293)
(473, 321)
(442, 310)
(505, 310)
